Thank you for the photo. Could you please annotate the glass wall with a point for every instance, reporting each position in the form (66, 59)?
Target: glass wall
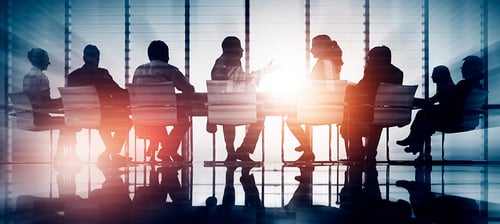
(277, 31)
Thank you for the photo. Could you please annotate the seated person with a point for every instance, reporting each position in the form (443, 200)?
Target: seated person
(378, 69)
(448, 111)
(158, 70)
(444, 89)
(327, 67)
(36, 86)
(228, 67)
(115, 121)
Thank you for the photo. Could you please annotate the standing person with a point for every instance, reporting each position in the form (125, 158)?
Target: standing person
(115, 122)
(448, 112)
(36, 86)
(159, 70)
(228, 67)
(327, 67)
(378, 69)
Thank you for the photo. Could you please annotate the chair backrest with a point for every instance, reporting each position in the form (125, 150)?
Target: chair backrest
(472, 110)
(81, 106)
(230, 104)
(23, 109)
(321, 102)
(153, 104)
(393, 104)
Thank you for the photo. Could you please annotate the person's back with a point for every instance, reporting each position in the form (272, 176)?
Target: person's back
(36, 83)
(159, 70)
(378, 70)
(113, 99)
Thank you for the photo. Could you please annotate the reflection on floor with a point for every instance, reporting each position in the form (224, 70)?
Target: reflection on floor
(69, 192)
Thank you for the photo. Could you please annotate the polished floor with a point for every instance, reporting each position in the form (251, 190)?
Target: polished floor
(72, 191)
(75, 189)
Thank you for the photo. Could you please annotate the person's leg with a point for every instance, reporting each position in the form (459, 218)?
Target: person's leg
(174, 140)
(229, 136)
(119, 138)
(107, 139)
(353, 138)
(304, 140)
(372, 144)
(250, 141)
(300, 135)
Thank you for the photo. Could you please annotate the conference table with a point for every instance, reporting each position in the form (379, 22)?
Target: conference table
(195, 104)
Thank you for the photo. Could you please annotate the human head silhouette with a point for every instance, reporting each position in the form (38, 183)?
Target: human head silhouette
(441, 74)
(379, 54)
(323, 46)
(91, 54)
(39, 58)
(472, 68)
(158, 50)
(231, 45)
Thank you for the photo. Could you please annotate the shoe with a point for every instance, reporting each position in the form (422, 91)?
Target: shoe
(302, 148)
(244, 156)
(307, 156)
(414, 149)
(408, 185)
(299, 148)
(405, 142)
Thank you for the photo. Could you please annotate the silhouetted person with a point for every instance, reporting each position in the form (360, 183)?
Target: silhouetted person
(159, 70)
(362, 202)
(448, 112)
(327, 67)
(36, 86)
(115, 122)
(356, 124)
(444, 91)
(228, 67)
(430, 207)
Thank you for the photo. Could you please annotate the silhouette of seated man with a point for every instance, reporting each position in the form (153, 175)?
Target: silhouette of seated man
(431, 207)
(356, 123)
(36, 86)
(159, 70)
(228, 67)
(115, 121)
(449, 111)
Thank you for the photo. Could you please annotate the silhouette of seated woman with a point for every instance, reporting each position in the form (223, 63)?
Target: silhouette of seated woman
(449, 111)
(36, 86)
(356, 123)
(444, 89)
(327, 67)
